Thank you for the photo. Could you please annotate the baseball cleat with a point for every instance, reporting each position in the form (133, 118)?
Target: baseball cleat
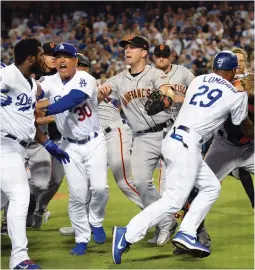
(30, 221)
(119, 243)
(165, 235)
(38, 219)
(27, 264)
(46, 215)
(155, 237)
(191, 244)
(99, 234)
(204, 238)
(179, 251)
(79, 249)
(4, 230)
(67, 231)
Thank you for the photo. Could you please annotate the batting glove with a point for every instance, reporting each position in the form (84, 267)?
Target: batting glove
(5, 99)
(56, 152)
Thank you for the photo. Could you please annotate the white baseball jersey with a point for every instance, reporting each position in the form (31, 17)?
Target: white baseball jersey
(133, 93)
(82, 120)
(18, 118)
(108, 114)
(209, 101)
(179, 78)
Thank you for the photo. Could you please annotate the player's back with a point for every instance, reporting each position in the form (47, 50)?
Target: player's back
(209, 101)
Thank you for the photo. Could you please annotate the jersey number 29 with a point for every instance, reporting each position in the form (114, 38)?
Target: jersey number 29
(83, 112)
(212, 96)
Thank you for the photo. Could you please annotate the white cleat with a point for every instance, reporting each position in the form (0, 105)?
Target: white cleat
(155, 237)
(67, 231)
(165, 235)
(46, 215)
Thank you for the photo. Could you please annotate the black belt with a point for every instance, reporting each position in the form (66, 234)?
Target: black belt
(22, 143)
(156, 128)
(186, 129)
(81, 141)
(109, 129)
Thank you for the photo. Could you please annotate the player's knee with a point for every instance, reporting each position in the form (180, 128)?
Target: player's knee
(99, 190)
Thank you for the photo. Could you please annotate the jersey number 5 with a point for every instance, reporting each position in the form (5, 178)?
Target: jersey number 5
(212, 96)
(83, 112)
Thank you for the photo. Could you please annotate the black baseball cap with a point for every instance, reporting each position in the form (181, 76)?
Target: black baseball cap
(162, 49)
(49, 47)
(83, 60)
(137, 41)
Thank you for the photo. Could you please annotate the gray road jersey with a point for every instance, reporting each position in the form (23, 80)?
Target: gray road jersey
(179, 78)
(133, 93)
(108, 114)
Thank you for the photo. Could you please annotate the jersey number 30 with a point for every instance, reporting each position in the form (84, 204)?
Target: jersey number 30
(83, 112)
(212, 96)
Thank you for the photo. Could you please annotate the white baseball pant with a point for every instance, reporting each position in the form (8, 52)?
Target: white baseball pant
(88, 163)
(185, 169)
(14, 185)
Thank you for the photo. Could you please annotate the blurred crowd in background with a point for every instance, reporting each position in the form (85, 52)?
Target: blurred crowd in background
(194, 33)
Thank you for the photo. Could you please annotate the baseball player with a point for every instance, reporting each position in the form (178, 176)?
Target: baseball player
(18, 99)
(74, 100)
(118, 138)
(228, 150)
(53, 169)
(223, 155)
(208, 102)
(132, 87)
(179, 78)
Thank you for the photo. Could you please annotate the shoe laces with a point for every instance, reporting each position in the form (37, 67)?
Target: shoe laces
(125, 249)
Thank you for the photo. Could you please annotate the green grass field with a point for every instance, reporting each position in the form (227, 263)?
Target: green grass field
(230, 224)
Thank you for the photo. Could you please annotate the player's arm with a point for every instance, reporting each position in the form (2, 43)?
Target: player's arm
(39, 114)
(247, 127)
(51, 147)
(67, 102)
(239, 115)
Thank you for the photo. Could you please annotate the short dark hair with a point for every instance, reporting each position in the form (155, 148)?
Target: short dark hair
(24, 48)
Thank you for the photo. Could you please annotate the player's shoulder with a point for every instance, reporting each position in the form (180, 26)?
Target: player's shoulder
(181, 69)
(85, 76)
(9, 71)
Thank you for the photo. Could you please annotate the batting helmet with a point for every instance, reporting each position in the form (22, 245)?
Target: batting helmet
(225, 60)
(83, 60)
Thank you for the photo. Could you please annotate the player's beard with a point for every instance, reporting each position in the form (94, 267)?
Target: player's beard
(35, 68)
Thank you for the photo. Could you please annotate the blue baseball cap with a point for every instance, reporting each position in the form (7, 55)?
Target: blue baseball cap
(67, 48)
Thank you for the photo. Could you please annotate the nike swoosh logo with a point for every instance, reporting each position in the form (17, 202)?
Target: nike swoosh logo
(191, 241)
(119, 244)
(23, 267)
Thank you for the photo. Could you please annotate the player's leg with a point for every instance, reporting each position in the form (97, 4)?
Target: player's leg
(247, 183)
(57, 174)
(246, 165)
(119, 143)
(182, 165)
(222, 157)
(96, 167)
(144, 158)
(209, 190)
(14, 184)
(39, 163)
(4, 207)
(78, 187)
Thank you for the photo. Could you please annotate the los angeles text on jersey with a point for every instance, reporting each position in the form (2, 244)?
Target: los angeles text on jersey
(133, 94)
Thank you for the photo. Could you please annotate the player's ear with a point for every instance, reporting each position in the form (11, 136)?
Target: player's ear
(31, 59)
(144, 54)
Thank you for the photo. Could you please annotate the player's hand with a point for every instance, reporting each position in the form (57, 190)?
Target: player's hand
(5, 99)
(56, 152)
(103, 92)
